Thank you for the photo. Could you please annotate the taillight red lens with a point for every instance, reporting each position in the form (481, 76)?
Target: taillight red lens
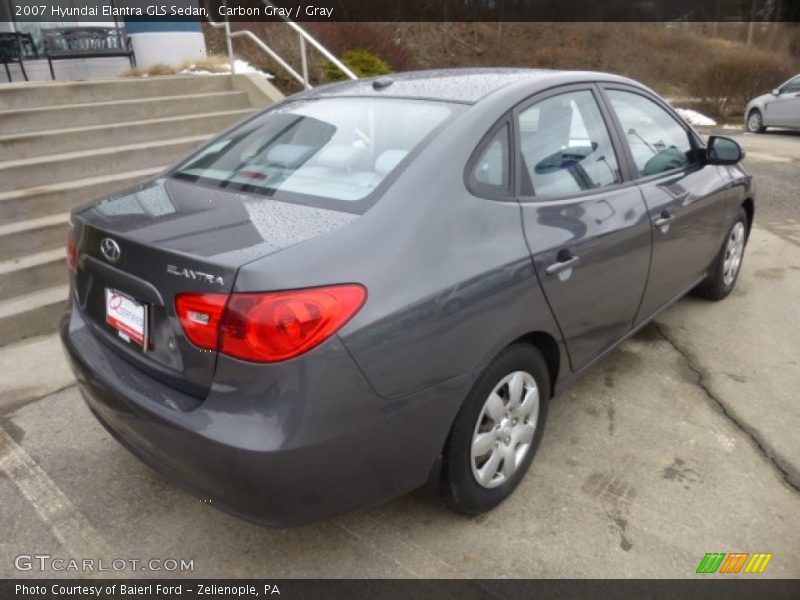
(281, 325)
(268, 327)
(200, 316)
(72, 251)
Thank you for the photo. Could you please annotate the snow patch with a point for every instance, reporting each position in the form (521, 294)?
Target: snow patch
(241, 67)
(245, 67)
(695, 118)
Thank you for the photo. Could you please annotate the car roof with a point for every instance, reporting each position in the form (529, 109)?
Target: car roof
(455, 85)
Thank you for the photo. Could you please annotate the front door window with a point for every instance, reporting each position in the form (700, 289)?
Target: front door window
(657, 141)
(566, 147)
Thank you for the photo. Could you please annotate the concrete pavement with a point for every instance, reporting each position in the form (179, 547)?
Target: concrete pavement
(681, 442)
(751, 369)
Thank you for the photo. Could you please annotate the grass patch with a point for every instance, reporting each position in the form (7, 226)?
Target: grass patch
(161, 69)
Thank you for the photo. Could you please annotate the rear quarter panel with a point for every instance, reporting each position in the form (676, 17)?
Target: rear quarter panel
(449, 276)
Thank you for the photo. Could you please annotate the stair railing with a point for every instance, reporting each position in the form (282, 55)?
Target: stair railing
(303, 37)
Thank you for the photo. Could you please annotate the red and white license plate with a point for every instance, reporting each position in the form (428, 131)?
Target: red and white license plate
(127, 316)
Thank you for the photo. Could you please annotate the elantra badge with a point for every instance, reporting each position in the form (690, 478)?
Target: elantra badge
(196, 275)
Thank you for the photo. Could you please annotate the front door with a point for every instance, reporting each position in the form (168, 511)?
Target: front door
(684, 197)
(587, 230)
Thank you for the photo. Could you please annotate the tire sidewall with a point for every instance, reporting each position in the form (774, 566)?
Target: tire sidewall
(719, 266)
(760, 127)
(461, 489)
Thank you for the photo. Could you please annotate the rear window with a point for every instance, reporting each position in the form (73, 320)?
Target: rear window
(338, 149)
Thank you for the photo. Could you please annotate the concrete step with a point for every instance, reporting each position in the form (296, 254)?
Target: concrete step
(44, 200)
(43, 118)
(65, 144)
(32, 314)
(25, 237)
(32, 272)
(41, 143)
(29, 94)
(57, 168)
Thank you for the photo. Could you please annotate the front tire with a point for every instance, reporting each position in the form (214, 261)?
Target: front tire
(725, 269)
(497, 431)
(755, 121)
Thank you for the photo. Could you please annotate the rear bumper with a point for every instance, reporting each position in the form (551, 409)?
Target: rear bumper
(307, 440)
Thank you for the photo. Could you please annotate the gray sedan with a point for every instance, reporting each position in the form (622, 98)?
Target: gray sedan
(779, 108)
(380, 284)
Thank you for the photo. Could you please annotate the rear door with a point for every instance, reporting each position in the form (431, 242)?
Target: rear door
(586, 226)
(684, 196)
(784, 109)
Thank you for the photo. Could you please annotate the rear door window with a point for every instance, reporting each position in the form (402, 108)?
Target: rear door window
(565, 146)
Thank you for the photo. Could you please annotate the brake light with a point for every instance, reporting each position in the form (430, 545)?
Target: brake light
(268, 327)
(201, 316)
(278, 326)
(72, 251)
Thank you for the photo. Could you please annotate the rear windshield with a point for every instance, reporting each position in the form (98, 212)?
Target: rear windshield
(338, 149)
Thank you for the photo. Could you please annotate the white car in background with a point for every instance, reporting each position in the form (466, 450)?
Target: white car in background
(779, 108)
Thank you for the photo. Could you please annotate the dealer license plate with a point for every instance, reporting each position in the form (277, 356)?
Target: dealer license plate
(128, 317)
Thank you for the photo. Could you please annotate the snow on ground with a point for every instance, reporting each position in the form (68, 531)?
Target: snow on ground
(695, 118)
(240, 65)
(245, 67)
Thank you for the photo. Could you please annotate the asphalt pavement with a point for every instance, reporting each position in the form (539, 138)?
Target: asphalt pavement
(681, 442)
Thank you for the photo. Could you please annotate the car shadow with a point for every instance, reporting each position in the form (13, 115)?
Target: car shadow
(782, 133)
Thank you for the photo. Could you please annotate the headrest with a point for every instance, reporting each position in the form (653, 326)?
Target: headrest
(289, 156)
(388, 160)
(555, 122)
(339, 156)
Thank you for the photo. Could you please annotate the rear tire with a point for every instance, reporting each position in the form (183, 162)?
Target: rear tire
(497, 431)
(727, 265)
(755, 121)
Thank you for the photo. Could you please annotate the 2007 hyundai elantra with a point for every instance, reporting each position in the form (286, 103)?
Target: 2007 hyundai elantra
(382, 283)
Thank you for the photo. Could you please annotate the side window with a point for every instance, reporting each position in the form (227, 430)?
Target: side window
(657, 141)
(791, 87)
(566, 147)
(491, 172)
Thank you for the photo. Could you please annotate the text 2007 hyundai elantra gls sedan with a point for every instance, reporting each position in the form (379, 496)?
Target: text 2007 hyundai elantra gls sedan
(378, 284)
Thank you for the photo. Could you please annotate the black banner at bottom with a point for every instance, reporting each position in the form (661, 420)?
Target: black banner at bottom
(391, 589)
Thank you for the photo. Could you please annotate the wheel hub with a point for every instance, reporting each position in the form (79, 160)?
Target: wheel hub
(506, 427)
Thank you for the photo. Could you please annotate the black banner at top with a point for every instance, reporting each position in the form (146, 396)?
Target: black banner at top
(72, 11)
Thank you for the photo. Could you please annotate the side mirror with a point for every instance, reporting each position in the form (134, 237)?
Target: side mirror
(723, 151)
(776, 92)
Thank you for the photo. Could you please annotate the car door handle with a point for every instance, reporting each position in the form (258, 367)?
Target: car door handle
(665, 219)
(561, 265)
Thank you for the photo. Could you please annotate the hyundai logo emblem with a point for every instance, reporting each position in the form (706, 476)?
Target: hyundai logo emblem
(110, 249)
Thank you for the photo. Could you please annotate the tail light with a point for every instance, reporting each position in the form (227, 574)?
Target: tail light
(200, 316)
(72, 250)
(268, 327)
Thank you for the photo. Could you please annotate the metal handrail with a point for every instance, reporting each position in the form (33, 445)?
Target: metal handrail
(303, 37)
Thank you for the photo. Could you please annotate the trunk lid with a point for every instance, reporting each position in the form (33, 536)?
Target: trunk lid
(175, 237)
